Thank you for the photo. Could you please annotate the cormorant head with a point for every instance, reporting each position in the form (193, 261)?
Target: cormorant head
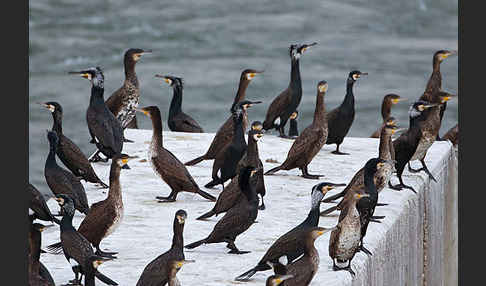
(149, 110)
(122, 159)
(277, 279)
(419, 107)
(296, 50)
(317, 231)
(443, 54)
(320, 190)
(172, 80)
(177, 264)
(294, 115)
(444, 96)
(93, 74)
(66, 203)
(256, 125)
(359, 194)
(355, 75)
(392, 98)
(322, 87)
(391, 125)
(257, 134)
(181, 216)
(375, 164)
(243, 106)
(52, 137)
(52, 106)
(135, 54)
(96, 260)
(40, 227)
(249, 74)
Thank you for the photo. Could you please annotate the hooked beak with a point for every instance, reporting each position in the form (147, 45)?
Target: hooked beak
(81, 73)
(142, 110)
(397, 100)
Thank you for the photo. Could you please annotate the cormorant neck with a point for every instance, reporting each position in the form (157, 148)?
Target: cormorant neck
(177, 238)
(386, 109)
(115, 189)
(369, 183)
(35, 243)
(313, 216)
(130, 74)
(176, 103)
(295, 81)
(241, 93)
(67, 222)
(309, 248)
(384, 148)
(436, 64)
(96, 95)
(320, 111)
(252, 150)
(89, 278)
(349, 98)
(51, 157)
(57, 124)
(157, 129)
(238, 129)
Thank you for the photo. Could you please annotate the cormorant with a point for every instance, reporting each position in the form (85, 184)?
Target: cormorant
(38, 208)
(304, 268)
(36, 275)
(388, 101)
(429, 130)
(74, 245)
(288, 100)
(179, 121)
(406, 144)
(382, 177)
(310, 141)
(61, 181)
(166, 165)
(238, 219)
(70, 154)
(231, 194)
(452, 135)
(105, 130)
(291, 244)
(345, 239)
(224, 135)
(293, 129)
(339, 120)
(159, 271)
(123, 101)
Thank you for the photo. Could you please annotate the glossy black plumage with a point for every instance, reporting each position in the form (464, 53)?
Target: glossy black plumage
(310, 141)
(37, 272)
(224, 135)
(287, 101)
(61, 181)
(157, 272)
(166, 165)
(294, 129)
(178, 120)
(238, 219)
(68, 152)
(340, 119)
(38, 205)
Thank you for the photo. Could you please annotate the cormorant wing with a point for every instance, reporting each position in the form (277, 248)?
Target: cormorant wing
(156, 272)
(38, 204)
(72, 151)
(114, 102)
(76, 246)
(186, 123)
(302, 143)
(278, 106)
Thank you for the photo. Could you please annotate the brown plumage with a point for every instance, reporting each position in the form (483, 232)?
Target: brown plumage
(36, 277)
(38, 206)
(166, 165)
(224, 135)
(310, 141)
(164, 268)
(123, 101)
(452, 135)
(388, 101)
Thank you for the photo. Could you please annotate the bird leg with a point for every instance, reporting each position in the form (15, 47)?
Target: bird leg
(262, 206)
(234, 250)
(424, 168)
(348, 268)
(337, 152)
(305, 174)
(170, 198)
(378, 217)
(362, 248)
(76, 270)
(399, 187)
(381, 204)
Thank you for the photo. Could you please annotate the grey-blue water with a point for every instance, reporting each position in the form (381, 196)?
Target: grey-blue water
(209, 43)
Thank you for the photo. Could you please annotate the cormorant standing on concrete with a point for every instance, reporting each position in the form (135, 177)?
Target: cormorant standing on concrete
(292, 243)
(452, 135)
(38, 208)
(304, 268)
(345, 239)
(178, 120)
(406, 144)
(288, 100)
(105, 129)
(166, 165)
(226, 162)
(388, 101)
(38, 273)
(429, 132)
(340, 119)
(158, 271)
(61, 181)
(123, 101)
(381, 178)
(310, 141)
(231, 194)
(224, 135)
(238, 219)
(69, 153)
(74, 245)
(293, 129)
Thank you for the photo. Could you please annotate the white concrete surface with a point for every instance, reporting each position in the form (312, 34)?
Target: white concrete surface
(399, 255)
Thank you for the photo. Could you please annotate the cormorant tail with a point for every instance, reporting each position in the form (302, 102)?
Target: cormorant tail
(213, 183)
(195, 161)
(104, 278)
(328, 211)
(248, 274)
(195, 244)
(206, 215)
(55, 248)
(274, 170)
(206, 195)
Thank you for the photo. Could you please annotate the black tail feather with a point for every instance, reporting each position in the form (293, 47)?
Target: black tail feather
(206, 215)
(195, 244)
(328, 211)
(55, 248)
(206, 195)
(334, 197)
(104, 278)
(195, 161)
(274, 170)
